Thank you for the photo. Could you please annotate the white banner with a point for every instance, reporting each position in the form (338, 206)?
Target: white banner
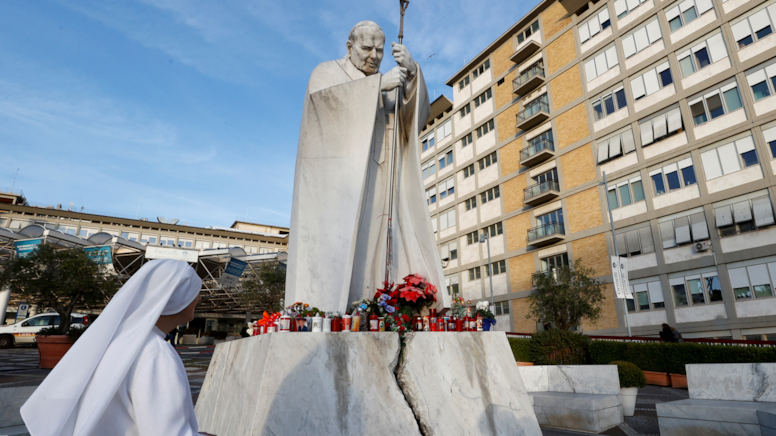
(171, 253)
(620, 277)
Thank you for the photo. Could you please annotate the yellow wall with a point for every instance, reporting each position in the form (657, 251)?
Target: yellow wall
(572, 125)
(513, 193)
(554, 19)
(592, 251)
(501, 62)
(504, 93)
(561, 51)
(578, 167)
(519, 312)
(520, 270)
(509, 155)
(517, 231)
(507, 122)
(584, 210)
(608, 318)
(566, 88)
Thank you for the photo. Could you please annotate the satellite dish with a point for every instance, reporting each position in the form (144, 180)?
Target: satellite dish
(161, 219)
(173, 221)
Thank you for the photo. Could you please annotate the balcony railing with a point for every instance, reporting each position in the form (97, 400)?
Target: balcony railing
(535, 276)
(540, 188)
(550, 229)
(533, 74)
(537, 147)
(532, 109)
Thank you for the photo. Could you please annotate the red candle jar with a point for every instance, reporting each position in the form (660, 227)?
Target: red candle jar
(418, 324)
(426, 323)
(336, 324)
(441, 324)
(374, 325)
(479, 323)
(433, 319)
(346, 322)
(458, 325)
(450, 323)
(466, 323)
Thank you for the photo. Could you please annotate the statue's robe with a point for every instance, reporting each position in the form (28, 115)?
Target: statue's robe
(339, 218)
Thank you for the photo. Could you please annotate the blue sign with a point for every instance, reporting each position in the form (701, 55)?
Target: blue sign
(22, 311)
(24, 248)
(236, 267)
(101, 255)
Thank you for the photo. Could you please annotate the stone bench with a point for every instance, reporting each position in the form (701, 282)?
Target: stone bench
(585, 398)
(725, 399)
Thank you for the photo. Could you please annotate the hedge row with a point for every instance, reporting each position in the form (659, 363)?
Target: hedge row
(520, 349)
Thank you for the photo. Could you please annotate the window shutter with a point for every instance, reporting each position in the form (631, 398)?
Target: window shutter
(633, 241)
(637, 86)
(611, 56)
(703, 6)
(642, 40)
(614, 147)
(700, 231)
(685, 5)
(745, 144)
(594, 27)
(667, 233)
(603, 151)
(628, 46)
(711, 164)
(647, 246)
(628, 144)
(742, 212)
(758, 274)
(729, 158)
(633, 4)
(620, 7)
(723, 216)
(646, 133)
(653, 31)
(650, 82)
(770, 134)
(738, 278)
(717, 49)
(584, 33)
(674, 120)
(682, 228)
(759, 21)
(659, 126)
(603, 15)
(621, 249)
(741, 30)
(590, 71)
(763, 212)
(672, 13)
(685, 163)
(434, 224)
(655, 292)
(756, 77)
(445, 252)
(443, 221)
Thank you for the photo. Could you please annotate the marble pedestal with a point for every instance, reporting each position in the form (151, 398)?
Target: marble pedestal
(353, 384)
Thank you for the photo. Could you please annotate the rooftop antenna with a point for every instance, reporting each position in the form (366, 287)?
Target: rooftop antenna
(14, 179)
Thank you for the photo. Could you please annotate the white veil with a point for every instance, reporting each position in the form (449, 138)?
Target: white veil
(74, 396)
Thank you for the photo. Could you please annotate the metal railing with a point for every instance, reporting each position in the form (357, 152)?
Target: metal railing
(536, 147)
(527, 75)
(552, 272)
(540, 188)
(644, 340)
(546, 230)
(532, 109)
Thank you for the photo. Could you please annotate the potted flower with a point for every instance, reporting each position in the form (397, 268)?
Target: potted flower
(62, 279)
(488, 319)
(631, 379)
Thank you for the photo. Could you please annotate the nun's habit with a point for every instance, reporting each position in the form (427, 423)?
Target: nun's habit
(121, 377)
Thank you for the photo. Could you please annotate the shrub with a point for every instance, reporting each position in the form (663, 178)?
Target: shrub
(520, 349)
(630, 375)
(74, 333)
(603, 352)
(559, 347)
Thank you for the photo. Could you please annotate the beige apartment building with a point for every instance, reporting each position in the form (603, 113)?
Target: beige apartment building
(675, 101)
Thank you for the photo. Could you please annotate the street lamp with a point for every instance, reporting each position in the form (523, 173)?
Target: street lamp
(483, 238)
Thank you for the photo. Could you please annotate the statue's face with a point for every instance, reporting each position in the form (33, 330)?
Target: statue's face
(367, 52)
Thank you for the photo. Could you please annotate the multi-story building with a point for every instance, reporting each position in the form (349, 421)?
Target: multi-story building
(675, 101)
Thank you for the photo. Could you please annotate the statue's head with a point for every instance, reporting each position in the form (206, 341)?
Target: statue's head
(365, 47)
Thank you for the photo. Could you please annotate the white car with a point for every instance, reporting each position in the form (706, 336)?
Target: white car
(24, 331)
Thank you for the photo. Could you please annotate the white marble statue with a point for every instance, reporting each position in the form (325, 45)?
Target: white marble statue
(337, 245)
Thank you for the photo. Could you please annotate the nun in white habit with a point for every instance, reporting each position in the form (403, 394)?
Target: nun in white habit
(121, 377)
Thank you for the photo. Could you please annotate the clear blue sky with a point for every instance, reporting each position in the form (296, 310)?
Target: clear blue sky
(191, 109)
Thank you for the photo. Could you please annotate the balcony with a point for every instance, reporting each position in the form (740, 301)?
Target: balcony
(525, 50)
(539, 151)
(546, 235)
(534, 113)
(535, 276)
(528, 80)
(541, 192)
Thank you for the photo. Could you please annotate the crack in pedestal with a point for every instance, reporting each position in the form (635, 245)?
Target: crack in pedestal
(406, 387)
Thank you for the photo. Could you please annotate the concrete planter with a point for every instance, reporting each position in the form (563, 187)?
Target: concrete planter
(52, 348)
(525, 363)
(629, 400)
(679, 381)
(657, 378)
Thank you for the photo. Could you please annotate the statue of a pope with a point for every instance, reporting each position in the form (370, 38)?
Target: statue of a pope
(337, 246)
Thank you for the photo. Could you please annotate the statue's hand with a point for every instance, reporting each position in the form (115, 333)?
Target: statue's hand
(393, 79)
(404, 59)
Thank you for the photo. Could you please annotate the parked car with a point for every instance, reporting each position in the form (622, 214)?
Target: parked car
(24, 331)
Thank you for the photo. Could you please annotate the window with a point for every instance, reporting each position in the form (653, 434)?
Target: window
(219, 245)
(485, 128)
(148, 239)
(482, 98)
(501, 308)
(641, 38)
(463, 83)
(481, 69)
(625, 193)
(475, 274)
(431, 196)
(465, 110)
(672, 177)
(547, 176)
(446, 159)
(447, 219)
(499, 267)
(770, 139)
(696, 289)
(429, 169)
(680, 230)
(71, 230)
(602, 62)
(651, 81)
(743, 216)
(754, 27)
(702, 54)
(471, 203)
(525, 34)
(609, 103)
(539, 104)
(635, 242)
(167, 240)
(660, 127)
(451, 282)
(488, 161)
(646, 296)
(716, 103)
(428, 141)
(490, 195)
(130, 236)
(202, 245)
(185, 243)
(623, 7)
(445, 129)
(552, 263)
(450, 251)
(86, 232)
(595, 25)
(762, 82)
(728, 158)
(466, 140)
(554, 217)
(615, 146)
(752, 282)
(542, 141)
(468, 171)
(686, 12)
(447, 188)
(493, 230)
(473, 237)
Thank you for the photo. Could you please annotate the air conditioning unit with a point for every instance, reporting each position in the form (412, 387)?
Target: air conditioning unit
(703, 246)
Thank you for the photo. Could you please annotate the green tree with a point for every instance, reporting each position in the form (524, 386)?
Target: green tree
(62, 279)
(567, 295)
(265, 289)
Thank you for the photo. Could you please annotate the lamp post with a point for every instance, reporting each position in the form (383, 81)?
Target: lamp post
(614, 241)
(483, 238)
